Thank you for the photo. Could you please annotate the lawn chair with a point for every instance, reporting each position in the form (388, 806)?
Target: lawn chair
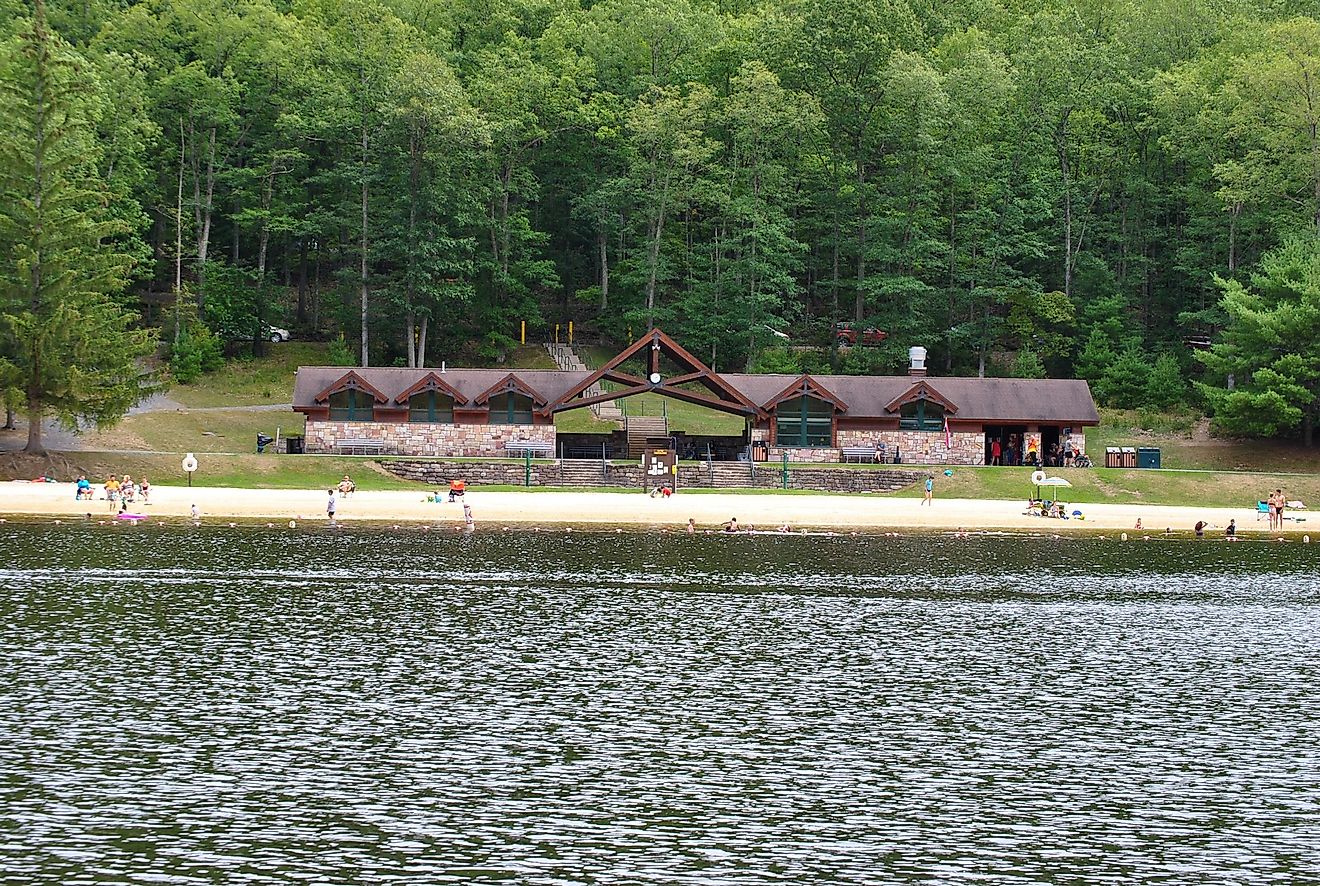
(1262, 510)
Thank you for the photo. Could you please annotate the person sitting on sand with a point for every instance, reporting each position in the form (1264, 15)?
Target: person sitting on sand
(1138, 526)
(145, 488)
(1199, 529)
(84, 489)
(732, 525)
(346, 486)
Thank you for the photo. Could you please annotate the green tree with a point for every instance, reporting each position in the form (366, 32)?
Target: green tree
(1125, 380)
(67, 348)
(1165, 386)
(1266, 363)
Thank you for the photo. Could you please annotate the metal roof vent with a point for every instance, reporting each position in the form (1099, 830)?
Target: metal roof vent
(917, 356)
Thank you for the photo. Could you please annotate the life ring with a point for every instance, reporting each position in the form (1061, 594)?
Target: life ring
(1038, 478)
(189, 463)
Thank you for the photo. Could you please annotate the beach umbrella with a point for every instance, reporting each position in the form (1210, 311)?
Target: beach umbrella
(1039, 479)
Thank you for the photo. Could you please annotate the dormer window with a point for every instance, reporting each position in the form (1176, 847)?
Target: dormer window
(431, 407)
(510, 408)
(921, 415)
(352, 404)
(805, 422)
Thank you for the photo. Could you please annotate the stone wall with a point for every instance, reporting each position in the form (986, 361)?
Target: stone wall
(455, 441)
(723, 475)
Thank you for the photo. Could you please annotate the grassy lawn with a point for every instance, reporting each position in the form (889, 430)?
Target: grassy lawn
(1184, 442)
(1115, 486)
(211, 431)
(252, 382)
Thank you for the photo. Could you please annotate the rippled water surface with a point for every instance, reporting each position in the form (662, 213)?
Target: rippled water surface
(256, 706)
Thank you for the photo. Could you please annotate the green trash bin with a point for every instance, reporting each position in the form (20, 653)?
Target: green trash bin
(1148, 457)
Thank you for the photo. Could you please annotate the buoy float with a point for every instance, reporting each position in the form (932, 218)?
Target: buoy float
(1123, 536)
(232, 525)
(1306, 539)
(292, 524)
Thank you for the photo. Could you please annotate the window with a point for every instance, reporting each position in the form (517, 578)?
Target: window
(352, 405)
(431, 407)
(804, 421)
(510, 409)
(921, 415)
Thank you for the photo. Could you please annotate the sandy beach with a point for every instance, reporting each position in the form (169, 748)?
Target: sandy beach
(710, 510)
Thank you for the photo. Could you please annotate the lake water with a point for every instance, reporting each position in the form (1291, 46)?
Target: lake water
(245, 705)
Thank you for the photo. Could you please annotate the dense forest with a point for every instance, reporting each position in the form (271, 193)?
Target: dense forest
(1030, 187)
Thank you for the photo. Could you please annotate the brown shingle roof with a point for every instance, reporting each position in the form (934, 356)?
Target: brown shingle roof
(1001, 400)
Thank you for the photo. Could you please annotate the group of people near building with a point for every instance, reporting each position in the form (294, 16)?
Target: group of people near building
(1057, 456)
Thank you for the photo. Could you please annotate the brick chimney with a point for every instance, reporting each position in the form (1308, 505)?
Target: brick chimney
(917, 356)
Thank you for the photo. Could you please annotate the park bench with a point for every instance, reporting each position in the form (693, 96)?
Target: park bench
(858, 453)
(534, 448)
(354, 446)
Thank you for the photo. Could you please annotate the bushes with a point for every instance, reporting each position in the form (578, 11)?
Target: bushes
(197, 350)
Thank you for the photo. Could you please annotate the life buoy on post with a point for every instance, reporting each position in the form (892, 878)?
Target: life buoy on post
(1038, 478)
(189, 465)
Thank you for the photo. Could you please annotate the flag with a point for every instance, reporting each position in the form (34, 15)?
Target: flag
(948, 438)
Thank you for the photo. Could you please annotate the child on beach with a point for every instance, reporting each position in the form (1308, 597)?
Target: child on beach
(330, 505)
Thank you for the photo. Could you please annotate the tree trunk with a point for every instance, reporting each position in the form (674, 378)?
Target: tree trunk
(178, 242)
(202, 210)
(1061, 143)
(34, 445)
(9, 418)
(1232, 235)
(602, 241)
(301, 316)
(421, 343)
(366, 361)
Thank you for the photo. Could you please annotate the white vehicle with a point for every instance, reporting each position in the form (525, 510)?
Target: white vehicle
(276, 334)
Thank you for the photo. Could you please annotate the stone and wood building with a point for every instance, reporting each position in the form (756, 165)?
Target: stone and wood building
(915, 418)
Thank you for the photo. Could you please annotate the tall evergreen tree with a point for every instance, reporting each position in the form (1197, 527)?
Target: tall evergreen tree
(67, 347)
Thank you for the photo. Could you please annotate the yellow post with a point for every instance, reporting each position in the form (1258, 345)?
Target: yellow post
(570, 332)
(522, 333)
(556, 333)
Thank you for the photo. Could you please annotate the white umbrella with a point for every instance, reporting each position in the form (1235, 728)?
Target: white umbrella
(1054, 481)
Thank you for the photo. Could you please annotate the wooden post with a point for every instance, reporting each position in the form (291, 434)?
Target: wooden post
(522, 333)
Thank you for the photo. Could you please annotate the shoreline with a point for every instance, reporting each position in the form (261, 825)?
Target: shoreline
(765, 512)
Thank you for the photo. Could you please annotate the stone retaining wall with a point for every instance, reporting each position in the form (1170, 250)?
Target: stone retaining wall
(726, 475)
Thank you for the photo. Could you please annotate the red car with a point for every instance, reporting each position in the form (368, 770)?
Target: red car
(847, 336)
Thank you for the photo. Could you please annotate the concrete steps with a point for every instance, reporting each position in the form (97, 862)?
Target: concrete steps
(641, 429)
(567, 359)
(582, 472)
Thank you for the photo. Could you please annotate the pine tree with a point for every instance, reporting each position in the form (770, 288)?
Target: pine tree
(68, 349)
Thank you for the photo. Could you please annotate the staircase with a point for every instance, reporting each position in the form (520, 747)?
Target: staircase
(565, 358)
(641, 429)
(729, 474)
(581, 472)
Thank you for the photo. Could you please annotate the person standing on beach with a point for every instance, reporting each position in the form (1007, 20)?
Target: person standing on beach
(330, 505)
(468, 522)
(1280, 502)
(930, 491)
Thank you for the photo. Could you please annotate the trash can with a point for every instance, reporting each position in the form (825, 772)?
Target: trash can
(1148, 457)
(760, 450)
(293, 445)
(1129, 457)
(1113, 457)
